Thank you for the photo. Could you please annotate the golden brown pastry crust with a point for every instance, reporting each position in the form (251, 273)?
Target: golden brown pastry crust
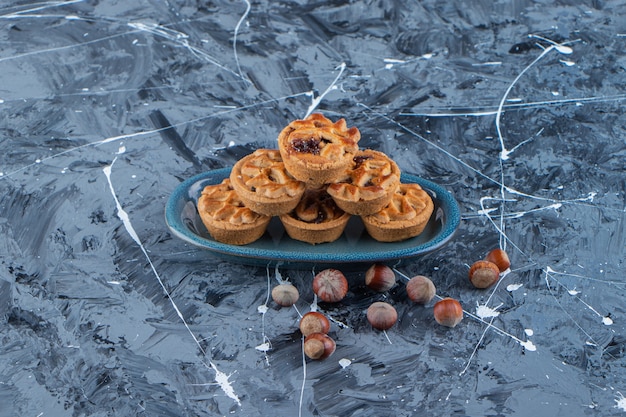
(316, 218)
(264, 185)
(368, 185)
(404, 217)
(316, 150)
(226, 218)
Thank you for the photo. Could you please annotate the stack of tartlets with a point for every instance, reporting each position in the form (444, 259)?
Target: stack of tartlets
(314, 182)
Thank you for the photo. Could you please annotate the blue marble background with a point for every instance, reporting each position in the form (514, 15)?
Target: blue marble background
(515, 107)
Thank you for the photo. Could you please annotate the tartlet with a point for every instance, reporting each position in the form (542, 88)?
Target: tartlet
(404, 217)
(226, 217)
(316, 218)
(368, 185)
(316, 150)
(264, 185)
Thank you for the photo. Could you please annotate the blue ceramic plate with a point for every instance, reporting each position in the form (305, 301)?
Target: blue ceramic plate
(275, 247)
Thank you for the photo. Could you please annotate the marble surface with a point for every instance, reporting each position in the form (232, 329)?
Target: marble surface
(515, 107)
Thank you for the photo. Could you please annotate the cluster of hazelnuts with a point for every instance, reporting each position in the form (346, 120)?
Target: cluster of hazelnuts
(331, 286)
(485, 273)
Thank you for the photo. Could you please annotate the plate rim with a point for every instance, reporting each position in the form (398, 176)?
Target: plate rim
(450, 208)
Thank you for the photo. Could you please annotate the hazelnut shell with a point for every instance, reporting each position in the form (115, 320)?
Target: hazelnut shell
(381, 315)
(483, 274)
(314, 322)
(380, 277)
(319, 346)
(420, 289)
(285, 295)
(448, 312)
(330, 285)
(500, 258)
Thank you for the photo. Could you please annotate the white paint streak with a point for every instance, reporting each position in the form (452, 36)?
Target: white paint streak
(514, 287)
(148, 132)
(241, 20)
(316, 101)
(515, 106)
(220, 377)
(179, 38)
(504, 153)
(303, 379)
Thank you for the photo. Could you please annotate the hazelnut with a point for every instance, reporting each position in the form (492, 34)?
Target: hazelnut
(319, 346)
(314, 322)
(448, 312)
(285, 295)
(500, 258)
(330, 285)
(381, 315)
(380, 278)
(483, 274)
(420, 289)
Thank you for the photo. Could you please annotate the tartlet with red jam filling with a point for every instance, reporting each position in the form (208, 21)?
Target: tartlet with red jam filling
(369, 184)
(316, 218)
(316, 150)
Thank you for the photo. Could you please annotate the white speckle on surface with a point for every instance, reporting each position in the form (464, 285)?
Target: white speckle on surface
(487, 64)
(528, 345)
(486, 211)
(621, 402)
(514, 287)
(262, 309)
(222, 380)
(344, 363)
(564, 49)
(484, 311)
(529, 332)
(567, 63)
(263, 347)
(394, 61)
(121, 149)
(573, 292)
(607, 320)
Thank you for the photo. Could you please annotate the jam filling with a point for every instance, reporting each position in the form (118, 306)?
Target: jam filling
(311, 145)
(316, 208)
(359, 159)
